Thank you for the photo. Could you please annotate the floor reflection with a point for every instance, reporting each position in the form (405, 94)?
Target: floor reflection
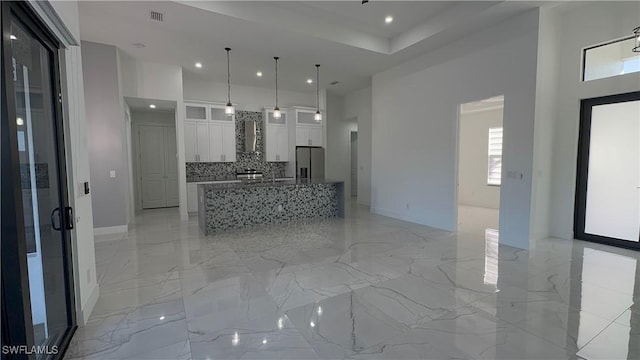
(363, 287)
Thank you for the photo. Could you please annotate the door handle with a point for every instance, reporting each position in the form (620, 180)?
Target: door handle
(68, 217)
(53, 219)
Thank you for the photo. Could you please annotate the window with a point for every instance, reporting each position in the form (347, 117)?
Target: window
(495, 156)
(611, 59)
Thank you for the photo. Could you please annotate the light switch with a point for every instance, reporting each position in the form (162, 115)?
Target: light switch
(112, 174)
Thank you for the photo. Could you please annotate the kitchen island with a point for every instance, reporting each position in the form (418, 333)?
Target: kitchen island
(231, 206)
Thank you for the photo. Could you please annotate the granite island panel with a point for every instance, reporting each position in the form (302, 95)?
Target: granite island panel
(231, 206)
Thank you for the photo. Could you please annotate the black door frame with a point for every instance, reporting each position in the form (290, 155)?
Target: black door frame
(586, 106)
(17, 327)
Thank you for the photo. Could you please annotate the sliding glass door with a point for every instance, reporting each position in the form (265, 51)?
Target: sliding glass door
(38, 303)
(608, 188)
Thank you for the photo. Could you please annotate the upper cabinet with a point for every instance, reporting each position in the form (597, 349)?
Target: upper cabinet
(195, 111)
(308, 130)
(276, 137)
(270, 120)
(209, 134)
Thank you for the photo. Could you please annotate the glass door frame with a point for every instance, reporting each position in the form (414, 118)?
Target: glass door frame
(17, 327)
(582, 174)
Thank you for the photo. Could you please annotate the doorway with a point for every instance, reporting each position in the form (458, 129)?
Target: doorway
(38, 304)
(479, 164)
(354, 164)
(607, 208)
(155, 153)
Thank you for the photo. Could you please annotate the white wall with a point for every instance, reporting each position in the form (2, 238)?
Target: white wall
(247, 98)
(338, 146)
(606, 21)
(546, 97)
(107, 146)
(358, 105)
(155, 81)
(473, 159)
(84, 262)
(413, 126)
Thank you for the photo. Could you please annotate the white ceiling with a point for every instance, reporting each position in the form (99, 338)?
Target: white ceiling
(350, 40)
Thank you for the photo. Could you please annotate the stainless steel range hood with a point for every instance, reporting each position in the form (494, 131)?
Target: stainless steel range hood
(250, 136)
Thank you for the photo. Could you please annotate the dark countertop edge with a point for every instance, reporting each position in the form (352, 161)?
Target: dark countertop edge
(267, 183)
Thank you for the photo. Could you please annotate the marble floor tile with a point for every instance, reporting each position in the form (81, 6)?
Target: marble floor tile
(222, 302)
(269, 337)
(127, 335)
(343, 325)
(410, 299)
(478, 335)
(362, 287)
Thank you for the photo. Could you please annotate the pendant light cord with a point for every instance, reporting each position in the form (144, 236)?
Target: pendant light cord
(228, 77)
(318, 86)
(276, 58)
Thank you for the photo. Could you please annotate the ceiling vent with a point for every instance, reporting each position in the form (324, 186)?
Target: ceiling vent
(157, 16)
(334, 83)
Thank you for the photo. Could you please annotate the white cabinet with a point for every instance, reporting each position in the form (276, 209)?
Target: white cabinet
(229, 142)
(196, 141)
(308, 130)
(190, 141)
(315, 135)
(202, 142)
(195, 111)
(276, 137)
(277, 143)
(210, 135)
(222, 142)
(308, 135)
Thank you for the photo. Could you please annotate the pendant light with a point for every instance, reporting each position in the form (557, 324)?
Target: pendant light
(318, 115)
(229, 110)
(636, 35)
(276, 110)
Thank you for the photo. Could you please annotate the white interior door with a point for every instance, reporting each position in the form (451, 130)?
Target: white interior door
(152, 166)
(613, 184)
(171, 167)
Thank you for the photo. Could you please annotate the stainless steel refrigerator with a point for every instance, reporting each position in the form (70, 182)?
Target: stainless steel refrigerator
(309, 162)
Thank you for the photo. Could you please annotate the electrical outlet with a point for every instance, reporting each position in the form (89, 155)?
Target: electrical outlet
(280, 207)
(112, 174)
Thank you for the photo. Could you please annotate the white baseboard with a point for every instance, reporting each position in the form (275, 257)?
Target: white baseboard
(87, 309)
(110, 230)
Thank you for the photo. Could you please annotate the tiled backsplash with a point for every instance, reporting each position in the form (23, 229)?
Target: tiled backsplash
(244, 160)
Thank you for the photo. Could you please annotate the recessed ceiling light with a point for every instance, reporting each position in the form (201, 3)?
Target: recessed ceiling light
(388, 19)
(153, 106)
(309, 81)
(13, 37)
(259, 74)
(199, 65)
